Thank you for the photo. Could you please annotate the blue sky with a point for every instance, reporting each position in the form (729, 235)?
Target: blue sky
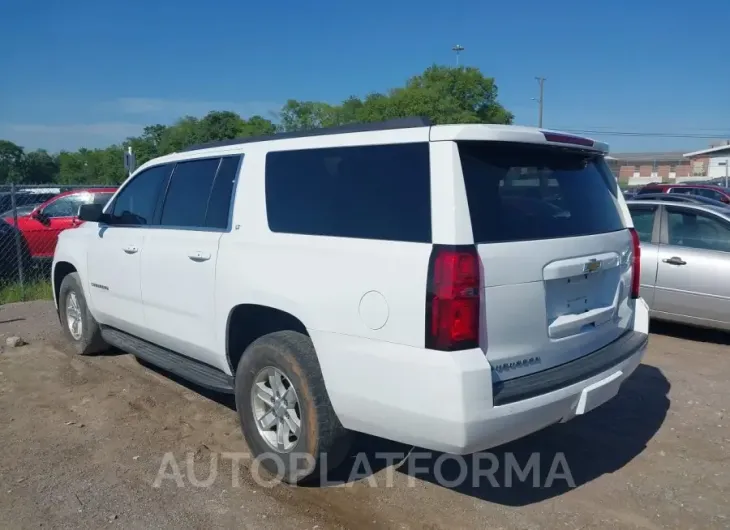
(89, 73)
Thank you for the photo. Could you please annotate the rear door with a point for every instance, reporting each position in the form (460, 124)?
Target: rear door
(555, 250)
(181, 252)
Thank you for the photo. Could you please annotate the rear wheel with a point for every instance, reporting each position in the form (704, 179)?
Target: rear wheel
(287, 418)
(79, 327)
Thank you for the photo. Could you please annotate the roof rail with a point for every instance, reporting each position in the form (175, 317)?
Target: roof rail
(398, 123)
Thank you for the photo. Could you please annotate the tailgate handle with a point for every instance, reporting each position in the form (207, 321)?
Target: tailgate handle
(199, 256)
(566, 325)
(675, 260)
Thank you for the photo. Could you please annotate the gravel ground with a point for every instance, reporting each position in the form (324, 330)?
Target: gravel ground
(84, 441)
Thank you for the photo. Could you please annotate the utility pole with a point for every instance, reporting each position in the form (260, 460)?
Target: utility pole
(458, 49)
(541, 81)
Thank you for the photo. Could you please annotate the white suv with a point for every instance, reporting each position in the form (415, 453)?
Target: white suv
(453, 287)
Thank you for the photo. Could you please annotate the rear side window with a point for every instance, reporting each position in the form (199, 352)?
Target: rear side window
(519, 192)
(219, 203)
(186, 201)
(371, 192)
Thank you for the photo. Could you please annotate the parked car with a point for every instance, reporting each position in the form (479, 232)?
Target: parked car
(20, 211)
(679, 197)
(14, 253)
(710, 191)
(685, 261)
(24, 197)
(452, 287)
(41, 226)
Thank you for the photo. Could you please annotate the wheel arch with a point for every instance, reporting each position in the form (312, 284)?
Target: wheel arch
(248, 321)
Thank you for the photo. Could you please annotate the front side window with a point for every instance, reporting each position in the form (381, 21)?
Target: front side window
(102, 197)
(67, 206)
(136, 202)
(688, 228)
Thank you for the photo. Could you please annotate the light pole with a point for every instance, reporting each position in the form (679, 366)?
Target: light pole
(458, 49)
(541, 81)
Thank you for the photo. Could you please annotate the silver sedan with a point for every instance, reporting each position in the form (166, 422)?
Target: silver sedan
(685, 261)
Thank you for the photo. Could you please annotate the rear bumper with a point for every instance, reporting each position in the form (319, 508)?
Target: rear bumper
(445, 401)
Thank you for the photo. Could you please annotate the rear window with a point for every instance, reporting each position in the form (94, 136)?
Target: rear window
(520, 192)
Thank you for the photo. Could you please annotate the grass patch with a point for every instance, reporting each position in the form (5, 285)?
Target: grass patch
(32, 290)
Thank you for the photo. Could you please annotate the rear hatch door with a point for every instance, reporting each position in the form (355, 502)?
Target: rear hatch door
(555, 251)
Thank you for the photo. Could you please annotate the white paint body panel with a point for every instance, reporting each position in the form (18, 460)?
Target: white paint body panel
(362, 301)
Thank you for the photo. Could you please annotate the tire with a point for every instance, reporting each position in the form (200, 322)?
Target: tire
(323, 442)
(89, 340)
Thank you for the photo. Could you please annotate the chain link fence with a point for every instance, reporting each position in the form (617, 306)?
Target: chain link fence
(31, 219)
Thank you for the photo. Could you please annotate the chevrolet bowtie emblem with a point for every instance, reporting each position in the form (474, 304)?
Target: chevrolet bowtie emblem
(592, 266)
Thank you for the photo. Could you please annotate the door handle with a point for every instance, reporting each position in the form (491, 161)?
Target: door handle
(675, 260)
(199, 256)
(131, 250)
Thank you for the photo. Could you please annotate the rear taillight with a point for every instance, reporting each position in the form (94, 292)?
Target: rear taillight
(636, 265)
(452, 298)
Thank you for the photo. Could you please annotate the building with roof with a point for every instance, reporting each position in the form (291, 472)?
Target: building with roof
(638, 169)
(715, 160)
(641, 168)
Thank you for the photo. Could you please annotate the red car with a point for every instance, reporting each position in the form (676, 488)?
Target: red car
(41, 227)
(704, 190)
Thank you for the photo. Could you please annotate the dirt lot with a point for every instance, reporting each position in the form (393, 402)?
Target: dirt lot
(83, 441)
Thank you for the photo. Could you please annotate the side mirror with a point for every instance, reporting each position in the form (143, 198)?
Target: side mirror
(93, 213)
(40, 217)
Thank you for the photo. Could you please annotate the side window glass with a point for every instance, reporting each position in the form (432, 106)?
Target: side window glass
(219, 204)
(683, 191)
(697, 230)
(187, 196)
(643, 222)
(710, 194)
(372, 192)
(135, 204)
(102, 198)
(67, 206)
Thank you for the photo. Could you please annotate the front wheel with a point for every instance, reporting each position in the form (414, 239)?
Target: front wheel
(79, 327)
(286, 415)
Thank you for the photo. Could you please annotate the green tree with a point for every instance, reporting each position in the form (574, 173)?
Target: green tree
(11, 162)
(39, 167)
(443, 94)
